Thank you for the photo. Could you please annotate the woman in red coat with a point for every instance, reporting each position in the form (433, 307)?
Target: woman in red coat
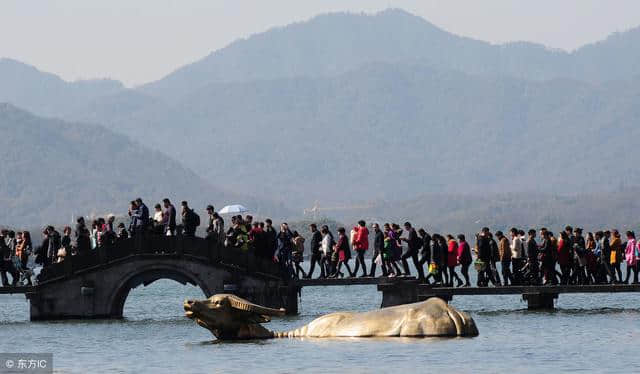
(344, 254)
(452, 260)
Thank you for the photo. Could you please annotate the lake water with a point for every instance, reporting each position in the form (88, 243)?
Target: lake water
(587, 333)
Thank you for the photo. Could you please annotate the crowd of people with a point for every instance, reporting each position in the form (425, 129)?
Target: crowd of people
(16, 248)
(524, 258)
(516, 258)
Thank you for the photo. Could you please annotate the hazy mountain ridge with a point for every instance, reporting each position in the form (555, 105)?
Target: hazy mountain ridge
(47, 94)
(53, 169)
(351, 108)
(338, 42)
(420, 124)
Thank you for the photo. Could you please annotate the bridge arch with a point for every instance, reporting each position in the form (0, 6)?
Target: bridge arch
(146, 275)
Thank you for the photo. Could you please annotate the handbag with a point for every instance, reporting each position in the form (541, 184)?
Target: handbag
(62, 252)
(378, 260)
(433, 268)
(479, 265)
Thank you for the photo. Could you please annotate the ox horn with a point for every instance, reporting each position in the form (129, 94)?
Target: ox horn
(241, 304)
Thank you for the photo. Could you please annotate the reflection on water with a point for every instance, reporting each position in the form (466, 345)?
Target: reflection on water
(155, 337)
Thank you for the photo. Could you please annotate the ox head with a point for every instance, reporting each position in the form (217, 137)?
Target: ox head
(229, 316)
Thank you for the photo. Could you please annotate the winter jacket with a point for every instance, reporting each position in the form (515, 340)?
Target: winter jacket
(452, 253)
(342, 247)
(630, 254)
(504, 249)
(378, 242)
(464, 253)
(484, 249)
(616, 251)
(316, 242)
(361, 240)
(563, 252)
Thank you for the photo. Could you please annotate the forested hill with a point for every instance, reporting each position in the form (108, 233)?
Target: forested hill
(53, 169)
(390, 131)
(339, 42)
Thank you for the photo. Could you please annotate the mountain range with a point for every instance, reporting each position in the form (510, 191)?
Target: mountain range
(361, 109)
(52, 170)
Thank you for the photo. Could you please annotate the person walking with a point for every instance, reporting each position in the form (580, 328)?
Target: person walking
(632, 256)
(316, 254)
(327, 250)
(141, 215)
(169, 213)
(361, 245)
(564, 258)
(343, 253)
(54, 243)
(517, 255)
(284, 249)
(504, 252)
(605, 258)
(532, 258)
(65, 242)
(438, 261)
(616, 255)
(297, 256)
(495, 258)
(5, 257)
(271, 239)
(387, 253)
(464, 258)
(452, 260)
(547, 252)
(158, 220)
(485, 273)
(190, 220)
(395, 252)
(378, 251)
(414, 243)
(23, 251)
(425, 253)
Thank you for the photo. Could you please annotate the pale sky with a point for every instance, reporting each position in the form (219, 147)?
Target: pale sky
(137, 41)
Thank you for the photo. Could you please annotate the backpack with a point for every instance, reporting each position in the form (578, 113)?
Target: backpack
(196, 218)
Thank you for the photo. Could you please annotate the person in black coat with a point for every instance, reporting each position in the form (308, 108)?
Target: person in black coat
(425, 253)
(169, 222)
(271, 239)
(378, 248)
(41, 251)
(532, 256)
(485, 255)
(316, 256)
(414, 243)
(5, 258)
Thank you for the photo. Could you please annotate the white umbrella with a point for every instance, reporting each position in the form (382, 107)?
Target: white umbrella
(233, 209)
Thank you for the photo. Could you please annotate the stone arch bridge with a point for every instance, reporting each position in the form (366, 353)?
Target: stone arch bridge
(96, 285)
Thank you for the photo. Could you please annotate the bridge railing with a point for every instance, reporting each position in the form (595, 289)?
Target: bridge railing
(200, 249)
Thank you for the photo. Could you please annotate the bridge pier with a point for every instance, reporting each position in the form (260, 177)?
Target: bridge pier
(540, 301)
(398, 293)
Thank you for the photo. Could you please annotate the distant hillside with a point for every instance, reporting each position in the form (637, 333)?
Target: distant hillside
(388, 131)
(46, 94)
(336, 43)
(350, 108)
(52, 170)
